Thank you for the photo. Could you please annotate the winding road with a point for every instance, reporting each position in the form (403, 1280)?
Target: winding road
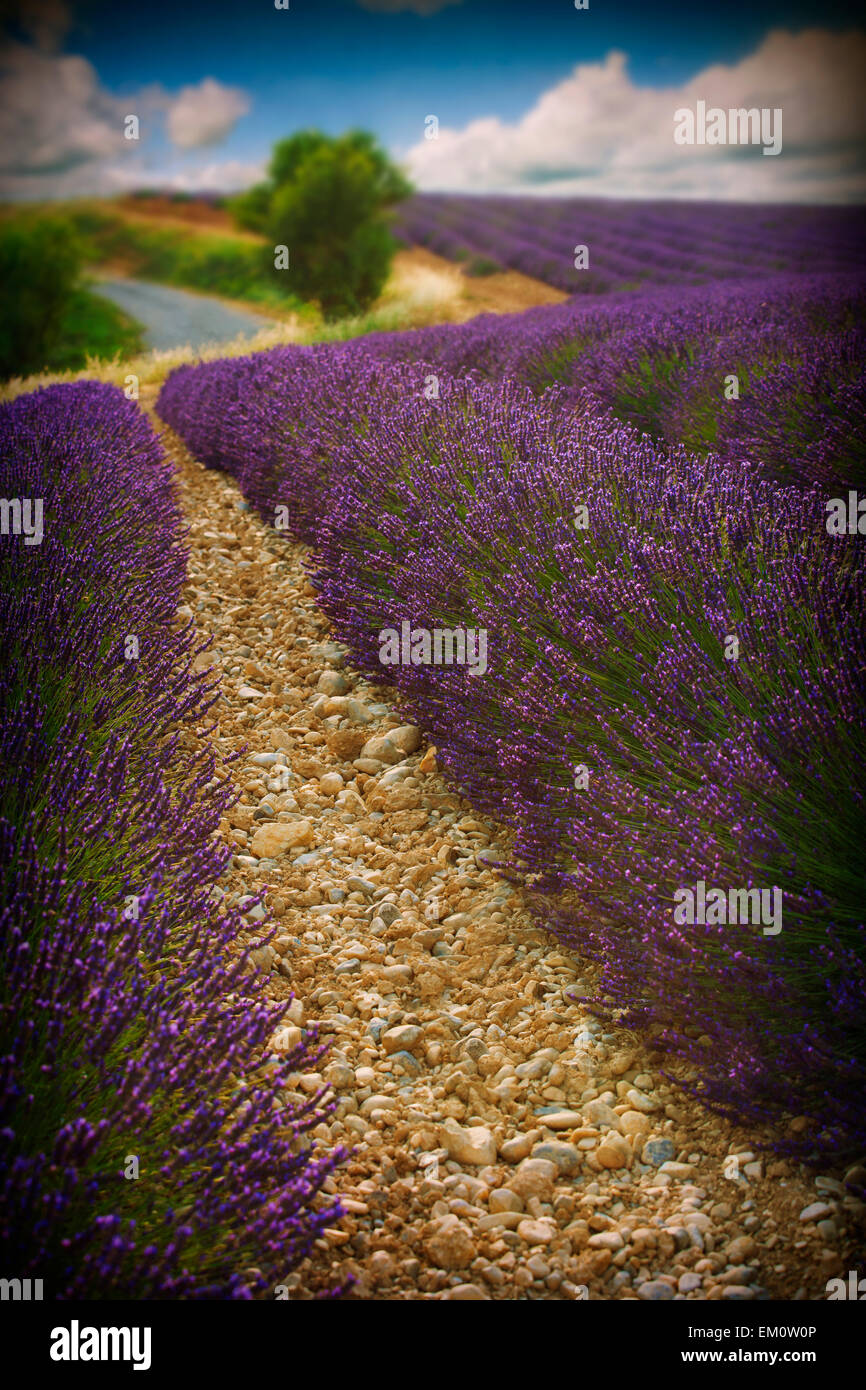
(174, 318)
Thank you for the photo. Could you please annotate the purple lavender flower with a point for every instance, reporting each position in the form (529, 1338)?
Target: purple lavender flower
(134, 1040)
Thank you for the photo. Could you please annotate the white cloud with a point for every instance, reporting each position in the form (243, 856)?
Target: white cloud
(54, 115)
(205, 114)
(62, 133)
(415, 6)
(225, 176)
(598, 132)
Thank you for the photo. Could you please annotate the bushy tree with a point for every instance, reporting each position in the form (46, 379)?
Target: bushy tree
(326, 201)
(40, 262)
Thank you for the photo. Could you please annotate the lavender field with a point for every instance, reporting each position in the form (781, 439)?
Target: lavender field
(631, 245)
(667, 608)
(432, 675)
(647, 502)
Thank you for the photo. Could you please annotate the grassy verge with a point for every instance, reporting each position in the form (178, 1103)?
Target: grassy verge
(219, 263)
(93, 327)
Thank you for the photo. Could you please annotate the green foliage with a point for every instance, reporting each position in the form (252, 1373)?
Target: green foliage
(40, 262)
(250, 209)
(93, 327)
(326, 200)
(223, 265)
(482, 265)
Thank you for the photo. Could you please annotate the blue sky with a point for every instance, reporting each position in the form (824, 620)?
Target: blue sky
(371, 63)
(331, 63)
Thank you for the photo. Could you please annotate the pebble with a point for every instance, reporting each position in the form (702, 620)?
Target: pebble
(680, 1171)
(563, 1119)
(688, 1282)
(503, 1199)
(632, 1122)
(380, 749)
(606, 1240)
(597, 1112)
(505, 1220)
(407, 738)
(475, 1145)
(639, 1101)
(534, 1177)
(658, 1151)
(816, 1211)
(513, 1150)
(407, 1061)
(451, 1245)
(537, 1232)
(403, 1039)
(340, 1075)
(614, 1151)
(358, 712)
(655, 1290)
(332, 683)
(565, 1156)
(378, 1102)
(270, 841)
(265, 759)
(740, 1249)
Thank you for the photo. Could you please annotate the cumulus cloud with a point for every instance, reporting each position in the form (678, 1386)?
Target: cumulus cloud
(62, 133)
(598, 132)
(204, 114)
(222, 176)
(54, 115)
(415, 6)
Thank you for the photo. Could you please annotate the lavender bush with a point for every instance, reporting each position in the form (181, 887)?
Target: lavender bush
(607, 646)
(661, 360)
(130, 1027)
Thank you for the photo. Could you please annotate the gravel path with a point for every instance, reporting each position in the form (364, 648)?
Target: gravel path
(175, 318)
(505, 1145)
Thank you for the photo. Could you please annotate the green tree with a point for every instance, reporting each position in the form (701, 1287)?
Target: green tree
(326, 200)
(40, 262)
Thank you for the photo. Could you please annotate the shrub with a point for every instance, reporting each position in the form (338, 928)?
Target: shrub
(40, 262)
(325, 201)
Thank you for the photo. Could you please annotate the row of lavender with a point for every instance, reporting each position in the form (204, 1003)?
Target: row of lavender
(146, 1150)
(675, 684)
(632, 243)
(769, 375)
